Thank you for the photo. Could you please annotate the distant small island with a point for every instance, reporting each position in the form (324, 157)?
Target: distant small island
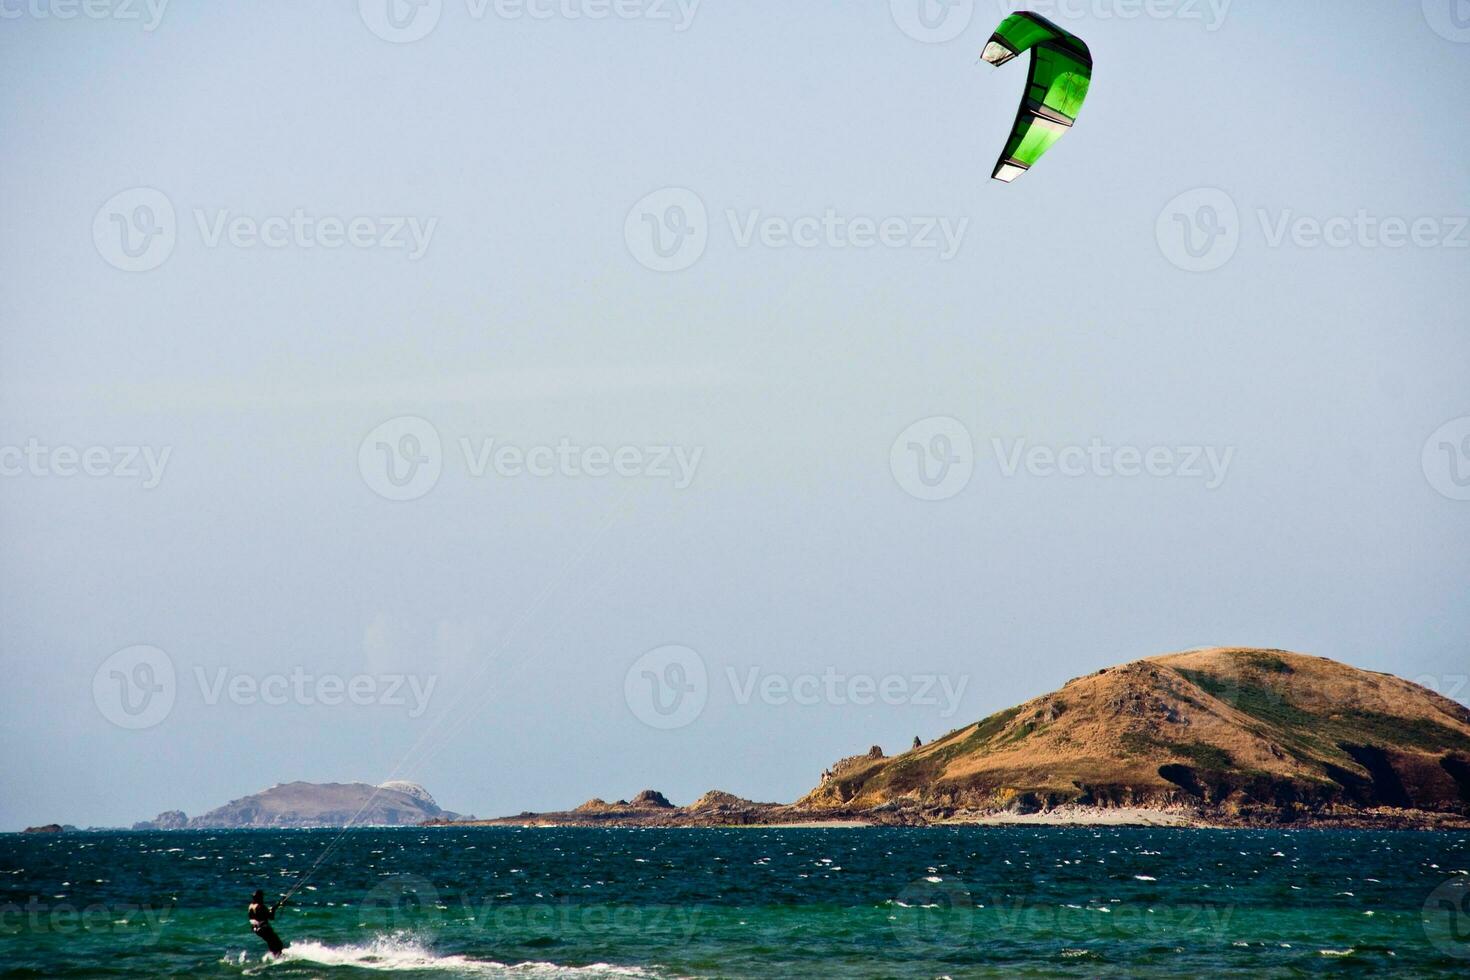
(300, 804)
(1226, 737)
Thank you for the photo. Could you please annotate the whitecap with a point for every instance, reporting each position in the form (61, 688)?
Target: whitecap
(401, 953)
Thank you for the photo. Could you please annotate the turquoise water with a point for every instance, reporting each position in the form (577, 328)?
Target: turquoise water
(493, 902)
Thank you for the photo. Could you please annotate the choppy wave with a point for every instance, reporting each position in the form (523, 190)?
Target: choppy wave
(403, 954)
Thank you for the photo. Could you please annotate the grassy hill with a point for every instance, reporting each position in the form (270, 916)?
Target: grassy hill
(1229, 730)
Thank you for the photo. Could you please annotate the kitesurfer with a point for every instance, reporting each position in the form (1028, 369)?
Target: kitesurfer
(261, 915)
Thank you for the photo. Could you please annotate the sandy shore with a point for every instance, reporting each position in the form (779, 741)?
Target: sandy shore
(1083, 817)
(1060, 817)
(763, 817)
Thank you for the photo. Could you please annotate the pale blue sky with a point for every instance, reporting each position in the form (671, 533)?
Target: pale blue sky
(528, 319)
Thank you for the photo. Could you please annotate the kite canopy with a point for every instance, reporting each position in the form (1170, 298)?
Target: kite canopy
(1061, 70)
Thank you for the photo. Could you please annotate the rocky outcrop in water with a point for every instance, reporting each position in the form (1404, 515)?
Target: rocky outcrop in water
(167, 820)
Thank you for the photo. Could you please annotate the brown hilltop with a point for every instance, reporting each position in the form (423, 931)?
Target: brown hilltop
(1235, 731)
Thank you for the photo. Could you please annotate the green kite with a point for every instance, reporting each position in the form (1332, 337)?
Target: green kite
(1061, 70)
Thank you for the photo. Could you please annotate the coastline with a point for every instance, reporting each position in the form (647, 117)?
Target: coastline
(786, 817)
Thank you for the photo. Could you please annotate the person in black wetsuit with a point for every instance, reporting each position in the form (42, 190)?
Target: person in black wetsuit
(261, 915)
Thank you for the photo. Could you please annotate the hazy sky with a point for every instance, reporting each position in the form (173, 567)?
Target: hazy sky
(462, 249)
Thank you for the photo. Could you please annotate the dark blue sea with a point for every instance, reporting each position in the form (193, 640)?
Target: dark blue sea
(766, 903)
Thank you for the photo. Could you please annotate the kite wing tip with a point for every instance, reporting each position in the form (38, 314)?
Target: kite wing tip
(1007, 172)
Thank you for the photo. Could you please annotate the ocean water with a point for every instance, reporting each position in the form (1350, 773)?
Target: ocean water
(767, 903)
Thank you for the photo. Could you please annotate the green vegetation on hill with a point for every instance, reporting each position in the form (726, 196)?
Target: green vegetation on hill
(1293, 731)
